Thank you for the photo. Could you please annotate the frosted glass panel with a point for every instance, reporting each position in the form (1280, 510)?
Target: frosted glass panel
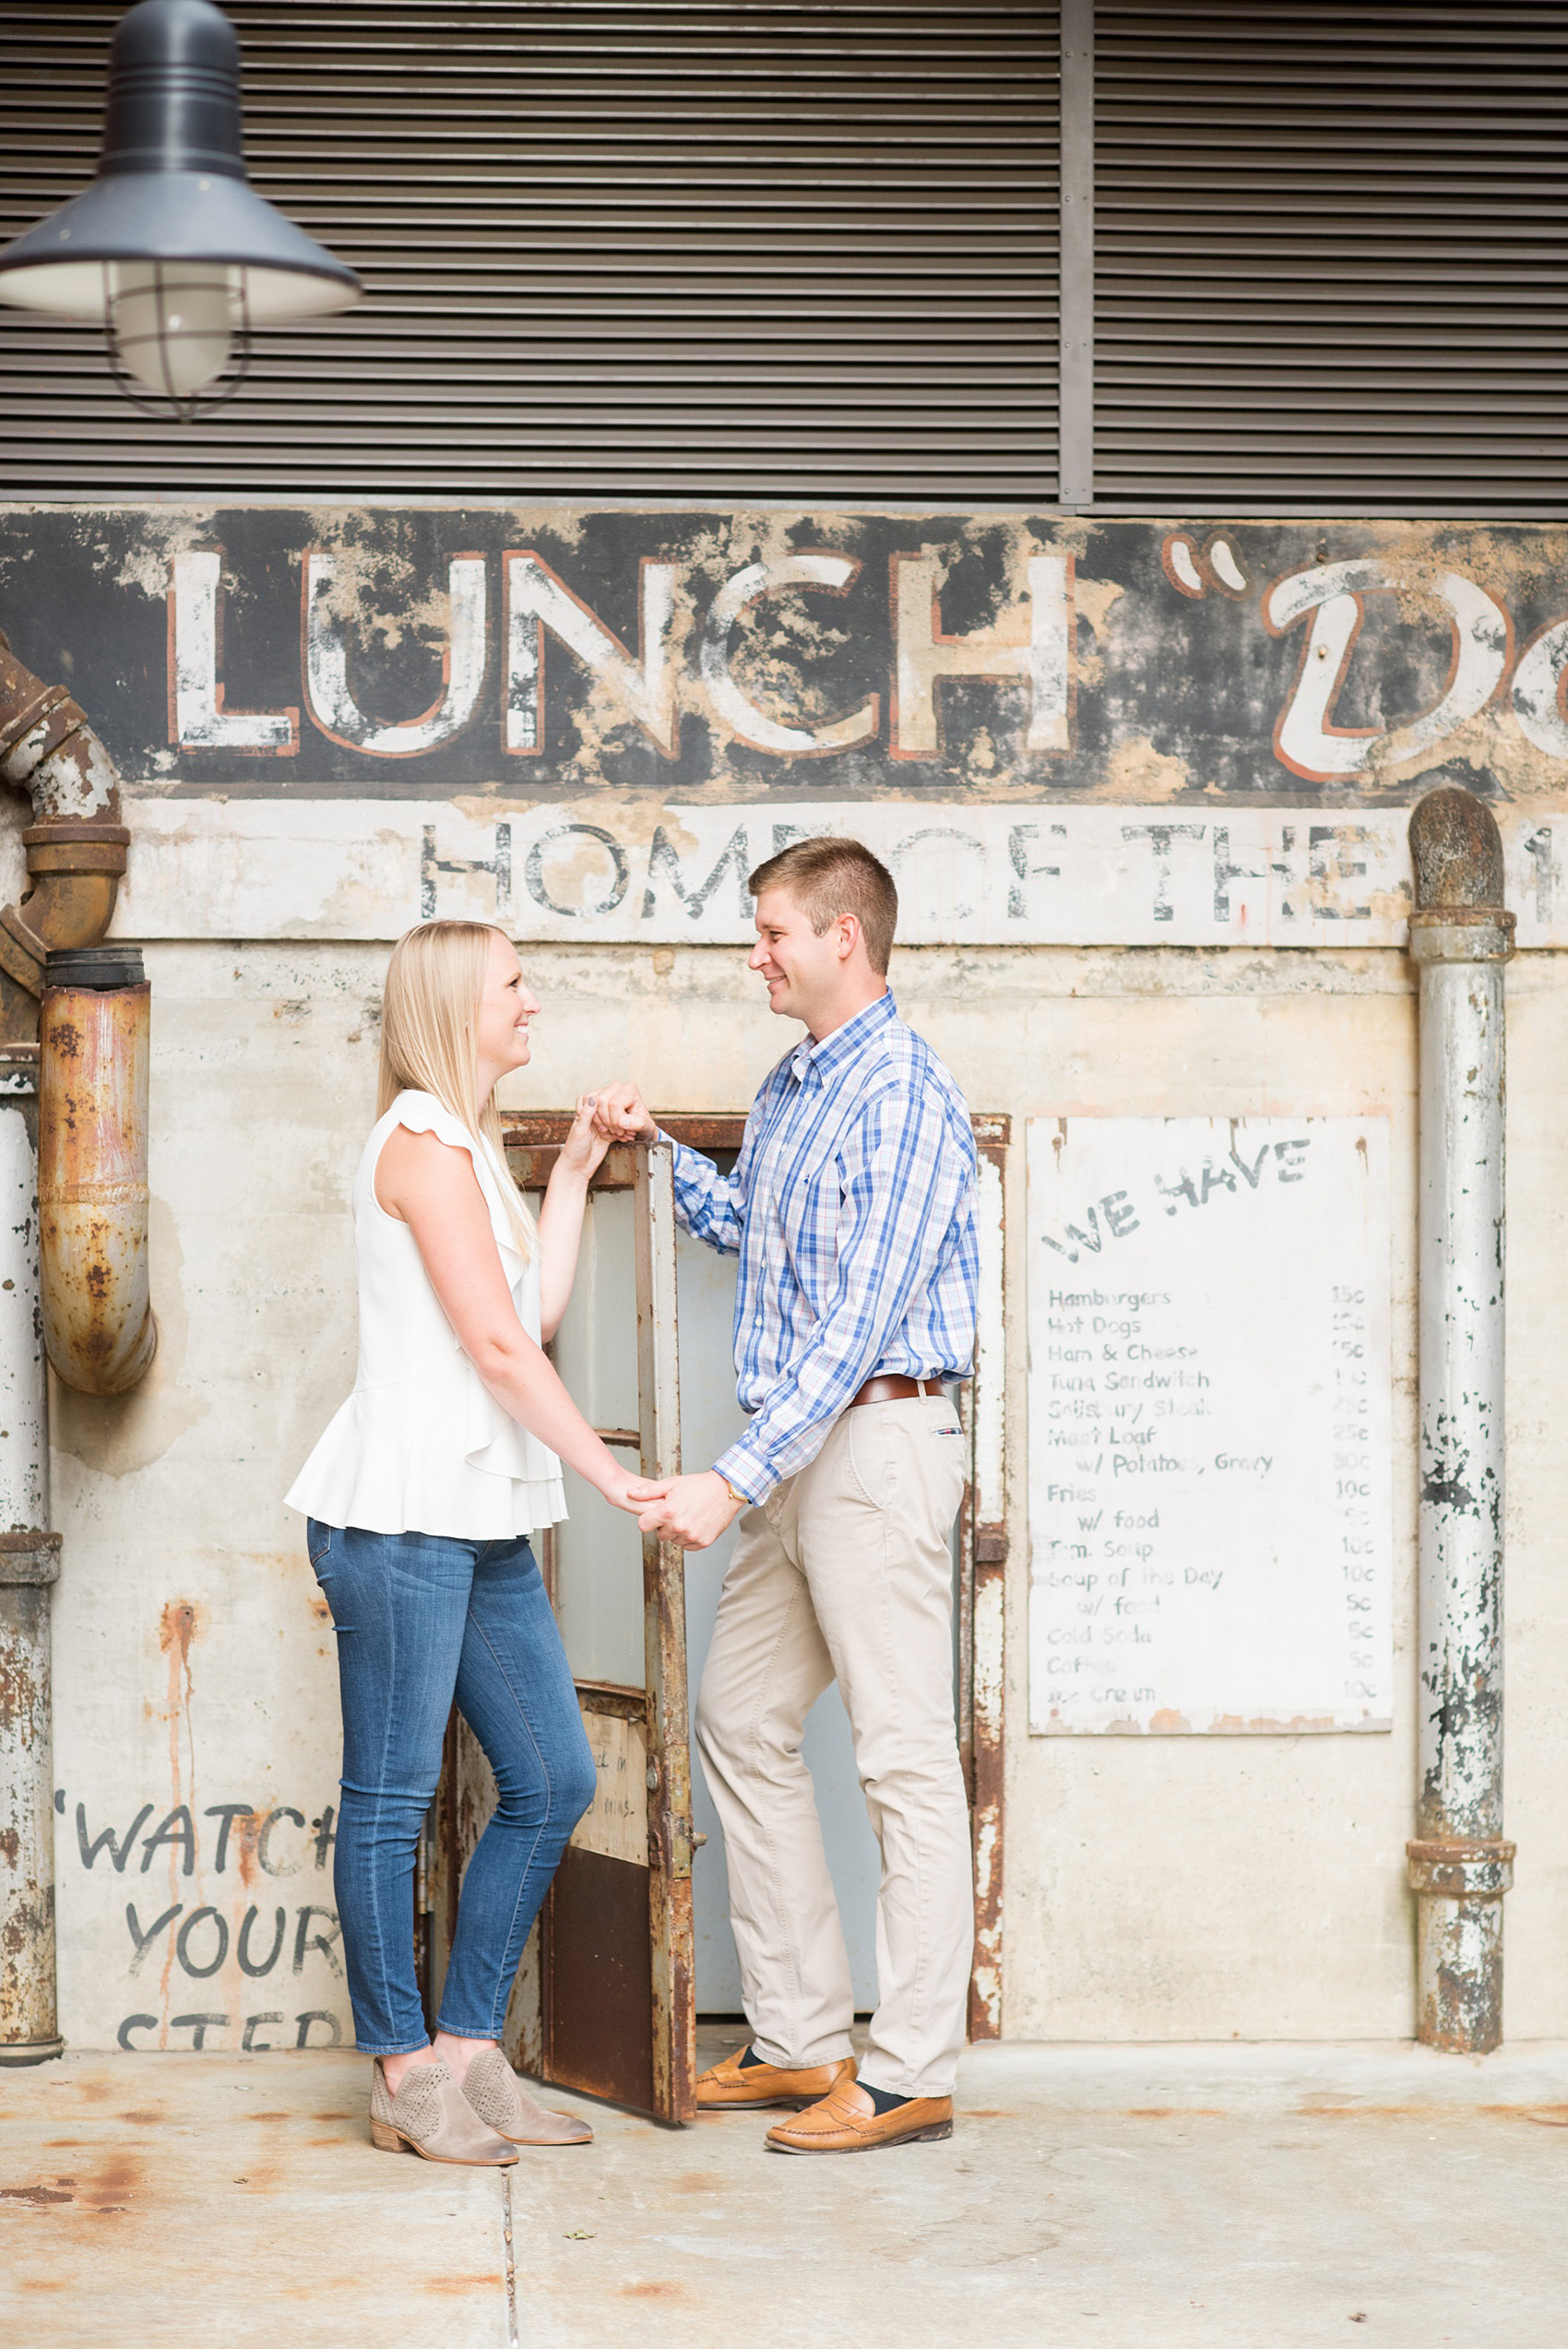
(599, 1567)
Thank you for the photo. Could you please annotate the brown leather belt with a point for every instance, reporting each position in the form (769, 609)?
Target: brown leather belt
(894, 1390)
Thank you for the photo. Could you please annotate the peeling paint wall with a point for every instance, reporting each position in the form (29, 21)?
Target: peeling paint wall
(723, 658)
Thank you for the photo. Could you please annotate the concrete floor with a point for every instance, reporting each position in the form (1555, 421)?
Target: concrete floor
(1225, 2198)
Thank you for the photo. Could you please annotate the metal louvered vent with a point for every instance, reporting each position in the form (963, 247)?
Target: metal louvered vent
(1329, 269)
(612, 249)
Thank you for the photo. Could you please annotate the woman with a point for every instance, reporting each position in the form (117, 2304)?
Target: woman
(421, 1498)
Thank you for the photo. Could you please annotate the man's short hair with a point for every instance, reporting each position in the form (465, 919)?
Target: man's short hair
(827, 878)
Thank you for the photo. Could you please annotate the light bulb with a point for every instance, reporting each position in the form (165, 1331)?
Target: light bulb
(173, 322)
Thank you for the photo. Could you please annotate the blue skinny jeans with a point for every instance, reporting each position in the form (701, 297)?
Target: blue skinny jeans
(422, 1618)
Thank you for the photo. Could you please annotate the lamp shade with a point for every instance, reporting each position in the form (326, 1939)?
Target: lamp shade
(171, 189)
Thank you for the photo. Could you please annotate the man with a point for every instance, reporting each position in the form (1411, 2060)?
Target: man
(852, 1210)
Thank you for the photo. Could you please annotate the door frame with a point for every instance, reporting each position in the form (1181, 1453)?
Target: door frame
(982, 1579)
(533, 1140)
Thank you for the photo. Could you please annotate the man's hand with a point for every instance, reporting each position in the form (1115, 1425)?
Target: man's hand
(694, 1511)
(622, 1114)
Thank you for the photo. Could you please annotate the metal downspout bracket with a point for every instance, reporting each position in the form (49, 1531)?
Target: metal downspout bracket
(1460, 1864)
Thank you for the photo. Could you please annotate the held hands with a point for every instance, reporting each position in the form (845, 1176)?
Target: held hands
(692, 1510)
(621, 1114)
(635, 1494)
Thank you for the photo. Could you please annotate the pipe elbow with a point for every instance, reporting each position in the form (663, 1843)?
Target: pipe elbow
(75, 872)
(69, 909)
(1456, 854)
(76, 844)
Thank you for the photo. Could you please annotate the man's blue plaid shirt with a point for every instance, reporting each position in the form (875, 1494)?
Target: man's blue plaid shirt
(853, 1206)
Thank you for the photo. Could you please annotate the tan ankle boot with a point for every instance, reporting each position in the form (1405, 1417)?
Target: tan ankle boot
(429, 2115)
(499, 2097)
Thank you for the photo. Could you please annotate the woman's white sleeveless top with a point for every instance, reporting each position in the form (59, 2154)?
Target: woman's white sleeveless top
(422, 1445)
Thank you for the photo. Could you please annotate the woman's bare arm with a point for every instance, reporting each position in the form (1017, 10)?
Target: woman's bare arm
(431, 1185)
(561, 1214)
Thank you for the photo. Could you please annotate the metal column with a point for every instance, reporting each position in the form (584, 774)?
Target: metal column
(1460, 1864)
(28, 1565)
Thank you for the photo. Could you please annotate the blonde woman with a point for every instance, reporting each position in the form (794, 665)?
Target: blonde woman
(422, 1496)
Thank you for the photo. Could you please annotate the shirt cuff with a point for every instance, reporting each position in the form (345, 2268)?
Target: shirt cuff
(687, 1176)
(740, 1466)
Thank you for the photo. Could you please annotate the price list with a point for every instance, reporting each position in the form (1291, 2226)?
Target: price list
(1210, 1497)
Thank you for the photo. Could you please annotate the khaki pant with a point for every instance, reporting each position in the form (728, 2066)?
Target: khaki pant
(845, 1571)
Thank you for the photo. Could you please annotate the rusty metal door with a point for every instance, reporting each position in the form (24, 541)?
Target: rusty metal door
(604, 2001)
(618, 2010)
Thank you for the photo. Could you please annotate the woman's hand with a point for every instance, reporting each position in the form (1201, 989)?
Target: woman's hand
(584, 1148)
(635, 1494)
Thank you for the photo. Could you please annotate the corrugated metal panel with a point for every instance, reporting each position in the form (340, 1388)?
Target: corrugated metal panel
(655, 249)
(1329, 258)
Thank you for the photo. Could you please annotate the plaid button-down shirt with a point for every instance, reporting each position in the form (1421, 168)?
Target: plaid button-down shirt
(852, 1208)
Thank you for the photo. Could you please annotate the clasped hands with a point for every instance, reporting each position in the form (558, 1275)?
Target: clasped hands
(692, 1510)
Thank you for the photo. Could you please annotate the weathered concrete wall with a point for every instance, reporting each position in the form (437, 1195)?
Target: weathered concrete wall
(193, 1645)
(1161, 1887)
(1536, 1595)
(1145, 787)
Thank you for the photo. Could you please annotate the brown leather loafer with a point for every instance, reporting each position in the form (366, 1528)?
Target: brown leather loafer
(729, 2089)
(846, 2122)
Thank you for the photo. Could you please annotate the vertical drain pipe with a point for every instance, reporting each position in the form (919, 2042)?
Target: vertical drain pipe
(1460, 1865)
(30, 1561)
(99, 1328)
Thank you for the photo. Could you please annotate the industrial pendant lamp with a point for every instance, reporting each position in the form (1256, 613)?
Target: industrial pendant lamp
(170, 246)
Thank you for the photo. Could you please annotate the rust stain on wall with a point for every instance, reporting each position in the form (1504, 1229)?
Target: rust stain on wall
(180, 1626)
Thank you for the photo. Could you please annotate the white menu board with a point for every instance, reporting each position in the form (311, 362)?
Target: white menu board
(1210, 1497)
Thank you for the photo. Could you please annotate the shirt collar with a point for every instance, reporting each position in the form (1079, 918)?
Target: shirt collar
(835, 1051)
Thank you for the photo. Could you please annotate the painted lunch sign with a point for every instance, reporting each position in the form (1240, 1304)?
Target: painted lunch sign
(591, 724)
(721, 658)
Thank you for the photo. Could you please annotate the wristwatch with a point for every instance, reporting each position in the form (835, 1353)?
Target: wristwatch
(740, 1499)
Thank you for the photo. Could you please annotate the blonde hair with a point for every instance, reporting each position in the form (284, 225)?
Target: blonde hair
(429, 1037)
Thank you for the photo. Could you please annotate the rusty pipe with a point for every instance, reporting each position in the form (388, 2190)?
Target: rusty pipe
(76, 852)
(99, 1328)
(1460, 1864)
(76, 843)
(98, 1325)
(29, 2027)
(28, 1562)
(48, 749)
